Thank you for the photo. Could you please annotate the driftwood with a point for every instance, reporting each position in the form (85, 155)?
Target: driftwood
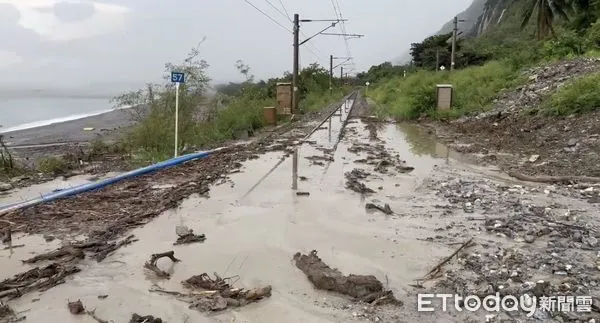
(216, 294)
(190, 238)
(365, 288)
(554, 179)
(385, 209)
(76, 251)
(76, 308)
(151, 264)
(35, 279)
(438, 267)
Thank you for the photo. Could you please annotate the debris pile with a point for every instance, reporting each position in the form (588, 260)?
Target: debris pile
(216, 294)
(365, 288)
(532, 248)
(35, 279)
(136, 318)
(353, 183)
(543, 81)
(380, 157)
(186, 235)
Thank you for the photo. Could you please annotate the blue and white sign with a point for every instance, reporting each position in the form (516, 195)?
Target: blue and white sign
(177, 77)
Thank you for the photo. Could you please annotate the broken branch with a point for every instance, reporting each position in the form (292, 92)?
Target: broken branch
(554, 179)
(447, 259)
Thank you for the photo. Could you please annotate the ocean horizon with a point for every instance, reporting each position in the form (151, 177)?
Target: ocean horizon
(25, 113)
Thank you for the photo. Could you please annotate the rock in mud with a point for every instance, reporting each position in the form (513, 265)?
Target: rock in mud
(76, 308)
(361, 287)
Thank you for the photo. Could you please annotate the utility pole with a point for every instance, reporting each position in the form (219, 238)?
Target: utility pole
(437, 60)
(341, 76)
(295, 92)
(330, 73)
(298, 43)
(454, 33)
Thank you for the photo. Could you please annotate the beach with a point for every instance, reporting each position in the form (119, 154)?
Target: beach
(59, 138)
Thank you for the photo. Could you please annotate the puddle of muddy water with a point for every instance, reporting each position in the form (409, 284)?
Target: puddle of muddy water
(255, 236)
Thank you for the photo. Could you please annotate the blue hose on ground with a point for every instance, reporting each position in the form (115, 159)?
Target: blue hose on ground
(103, 183)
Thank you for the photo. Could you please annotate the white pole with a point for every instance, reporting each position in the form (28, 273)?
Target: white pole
(176, 116)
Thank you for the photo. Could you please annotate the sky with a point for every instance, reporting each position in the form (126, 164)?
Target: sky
(124, 43)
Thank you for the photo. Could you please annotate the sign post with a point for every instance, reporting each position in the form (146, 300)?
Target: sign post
(367, 88)
(177, 78)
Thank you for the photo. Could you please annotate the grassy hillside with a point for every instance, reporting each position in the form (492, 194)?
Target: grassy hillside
(492, 63)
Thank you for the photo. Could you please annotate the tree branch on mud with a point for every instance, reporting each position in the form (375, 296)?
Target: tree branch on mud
(438, 267)
(215, 294)
(35, 279)
(554, 179)
(151, 264)
(75, 251)
(364, 288)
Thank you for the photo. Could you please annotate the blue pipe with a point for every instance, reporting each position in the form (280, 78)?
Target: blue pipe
(103, 183)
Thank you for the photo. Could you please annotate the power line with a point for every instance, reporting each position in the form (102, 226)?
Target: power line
(266, 15)
(285, 10)
(279, 11)
(342, 27)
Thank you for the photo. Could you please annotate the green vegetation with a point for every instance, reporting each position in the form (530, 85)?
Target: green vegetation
(415, 95)
(579, 96)
(531, 32)
(235, 112)
(53, 166)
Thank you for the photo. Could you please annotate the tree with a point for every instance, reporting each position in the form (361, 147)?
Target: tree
(425, 53)
(547, 12)
(153, 107)
(244, 69)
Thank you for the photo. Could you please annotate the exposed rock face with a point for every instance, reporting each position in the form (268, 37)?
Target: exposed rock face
(492, 13)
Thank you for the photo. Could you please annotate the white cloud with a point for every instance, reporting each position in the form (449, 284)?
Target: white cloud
(37, 15)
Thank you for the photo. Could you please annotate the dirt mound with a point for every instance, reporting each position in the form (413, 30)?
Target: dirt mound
(542, 81)
(362, 287)
(513, 136)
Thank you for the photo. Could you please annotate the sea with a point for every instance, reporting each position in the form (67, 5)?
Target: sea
(17, 113)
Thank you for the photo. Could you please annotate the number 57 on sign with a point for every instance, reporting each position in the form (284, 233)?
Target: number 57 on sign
(177, 77)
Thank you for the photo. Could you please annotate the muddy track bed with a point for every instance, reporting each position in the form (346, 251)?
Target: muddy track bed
(531, 145)
(104, 216)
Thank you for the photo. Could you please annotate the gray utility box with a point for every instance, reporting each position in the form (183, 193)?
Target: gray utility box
(444, 96)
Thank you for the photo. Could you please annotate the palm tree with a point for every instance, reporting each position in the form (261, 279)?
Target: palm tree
(547, 11)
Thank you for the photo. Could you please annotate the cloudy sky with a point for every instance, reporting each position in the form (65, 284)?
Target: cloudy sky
(77, 43)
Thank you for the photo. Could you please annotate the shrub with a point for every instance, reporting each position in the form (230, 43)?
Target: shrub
(53, 166)
(578, 96)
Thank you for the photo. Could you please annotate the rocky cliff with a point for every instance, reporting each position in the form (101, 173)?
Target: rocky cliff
(477, 19)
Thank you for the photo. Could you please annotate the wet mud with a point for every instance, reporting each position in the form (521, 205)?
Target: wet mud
(526, 238)
(366, 288)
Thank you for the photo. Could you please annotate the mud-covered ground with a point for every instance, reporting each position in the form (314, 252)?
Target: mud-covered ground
(517, 138)
(382, 213)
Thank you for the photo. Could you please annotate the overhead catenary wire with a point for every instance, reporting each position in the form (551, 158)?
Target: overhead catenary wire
(309, 47)
(338, 11)
(279, 10)
(270, 18)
